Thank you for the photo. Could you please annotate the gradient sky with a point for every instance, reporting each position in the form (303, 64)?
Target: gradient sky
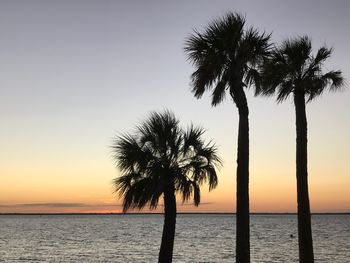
(73, 74)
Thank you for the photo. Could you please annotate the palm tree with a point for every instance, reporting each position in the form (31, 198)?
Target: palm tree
(292, 69)
(226, 57)
(161, 159)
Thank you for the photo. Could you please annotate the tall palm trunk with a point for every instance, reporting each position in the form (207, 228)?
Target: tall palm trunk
(306, 254)
(242, 210)
(167, 245)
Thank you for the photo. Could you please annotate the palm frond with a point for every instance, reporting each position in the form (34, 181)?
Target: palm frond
(254, 47)
(202, 166)
(219, 93)
(183, 185)
(203, 78)
(192, 138)
(142, 192)
(334, 79)
(196, 193)
(296, 52)
(322, 54)
(253, 77)
(286, 88)
(123, 183)
(128, 153)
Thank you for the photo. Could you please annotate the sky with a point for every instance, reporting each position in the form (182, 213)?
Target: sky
(74, 74)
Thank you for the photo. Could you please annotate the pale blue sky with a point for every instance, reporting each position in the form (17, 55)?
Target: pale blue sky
(74, 73)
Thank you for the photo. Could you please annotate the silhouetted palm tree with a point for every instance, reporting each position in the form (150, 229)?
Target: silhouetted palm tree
(225, 57)
(293, 70)
(161, 159)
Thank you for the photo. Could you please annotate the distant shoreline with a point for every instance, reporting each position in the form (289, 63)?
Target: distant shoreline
(205, 213)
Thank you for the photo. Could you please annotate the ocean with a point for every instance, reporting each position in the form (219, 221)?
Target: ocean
(136, 238)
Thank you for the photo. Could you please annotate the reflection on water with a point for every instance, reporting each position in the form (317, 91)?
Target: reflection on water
(136, 238)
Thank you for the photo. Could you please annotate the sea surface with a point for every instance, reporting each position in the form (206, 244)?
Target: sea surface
(136, 238)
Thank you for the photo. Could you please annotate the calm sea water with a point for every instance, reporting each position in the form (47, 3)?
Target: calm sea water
(136, 238)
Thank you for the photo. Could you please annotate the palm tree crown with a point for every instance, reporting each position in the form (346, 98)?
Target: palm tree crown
(291, 68)
(226, 56)
(161, 156)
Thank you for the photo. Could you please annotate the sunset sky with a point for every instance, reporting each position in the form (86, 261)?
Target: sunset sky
(74, 74)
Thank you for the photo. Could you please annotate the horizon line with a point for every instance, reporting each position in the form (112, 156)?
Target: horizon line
(180, 213)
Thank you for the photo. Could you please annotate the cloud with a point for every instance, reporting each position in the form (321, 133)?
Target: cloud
(53, 205)
(59, 205)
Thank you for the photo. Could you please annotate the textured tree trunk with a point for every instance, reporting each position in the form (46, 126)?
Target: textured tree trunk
(167, 245)
(306, 254)
(242, 207)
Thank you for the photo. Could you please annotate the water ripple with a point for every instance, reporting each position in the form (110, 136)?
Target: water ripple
(136, 238)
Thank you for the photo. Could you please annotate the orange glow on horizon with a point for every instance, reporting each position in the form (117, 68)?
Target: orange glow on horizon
(80, 189)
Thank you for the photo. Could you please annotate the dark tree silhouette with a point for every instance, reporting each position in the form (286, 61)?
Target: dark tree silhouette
(226, 57)
(161, 159)
(293, 70)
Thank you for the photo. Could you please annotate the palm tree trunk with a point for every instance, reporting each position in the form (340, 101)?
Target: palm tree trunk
(167, 245)
(242, 207)
(306, 254)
